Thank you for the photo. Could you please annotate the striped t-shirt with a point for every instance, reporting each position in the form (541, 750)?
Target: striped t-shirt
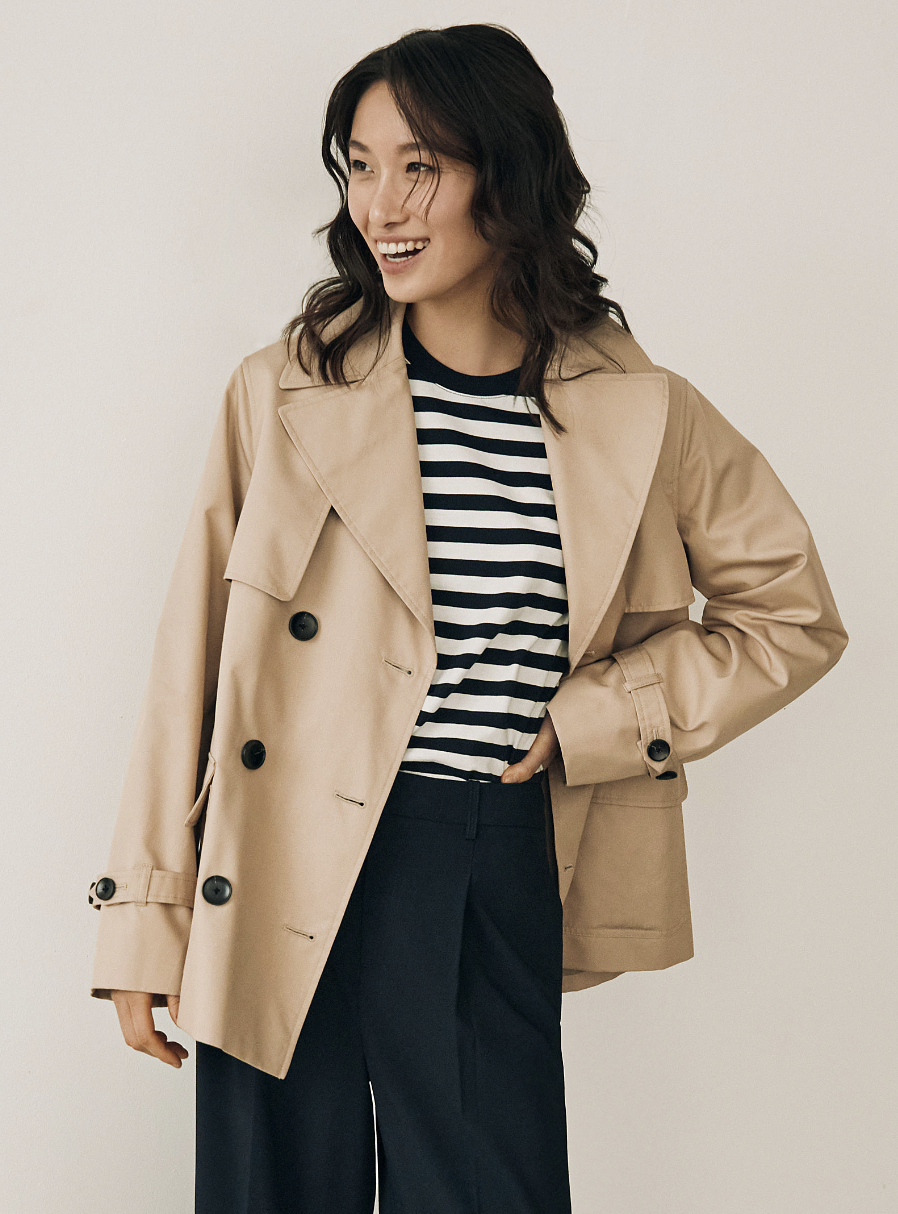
(496, 570)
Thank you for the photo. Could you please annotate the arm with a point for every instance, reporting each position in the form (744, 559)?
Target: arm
(145, 924)
(770, 628)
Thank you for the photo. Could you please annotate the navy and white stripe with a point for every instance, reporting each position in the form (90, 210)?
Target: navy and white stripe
(496, 571)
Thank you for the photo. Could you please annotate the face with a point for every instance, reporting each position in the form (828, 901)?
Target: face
(456, 263)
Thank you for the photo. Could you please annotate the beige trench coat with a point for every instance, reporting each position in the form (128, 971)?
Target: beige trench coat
(310, 501)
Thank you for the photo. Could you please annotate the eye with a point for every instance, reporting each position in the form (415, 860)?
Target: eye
(414, 164)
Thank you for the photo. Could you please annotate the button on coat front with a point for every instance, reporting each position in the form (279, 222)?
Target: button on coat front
(217, 890)
(303, 625)
(260, 766)
(252, 754)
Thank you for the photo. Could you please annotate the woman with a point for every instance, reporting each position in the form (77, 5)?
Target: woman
(426, 672)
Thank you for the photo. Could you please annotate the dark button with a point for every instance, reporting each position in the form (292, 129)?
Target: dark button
(253, 754)
(105, 888)
(216, 890)
(657, 750)
(303, 625)
(666, 775)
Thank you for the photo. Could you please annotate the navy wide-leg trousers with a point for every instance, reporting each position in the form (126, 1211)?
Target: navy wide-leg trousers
(429, 1064)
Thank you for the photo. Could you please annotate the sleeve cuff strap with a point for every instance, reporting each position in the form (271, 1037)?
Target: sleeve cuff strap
(142, 885)
(643, 682)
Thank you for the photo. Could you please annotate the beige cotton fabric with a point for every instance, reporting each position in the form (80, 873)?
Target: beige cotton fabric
(310, 501)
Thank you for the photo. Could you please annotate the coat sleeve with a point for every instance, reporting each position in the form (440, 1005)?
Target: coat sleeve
(144, 925)
(769, 630)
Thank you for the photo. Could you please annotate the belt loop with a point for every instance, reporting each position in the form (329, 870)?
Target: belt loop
(473, 805)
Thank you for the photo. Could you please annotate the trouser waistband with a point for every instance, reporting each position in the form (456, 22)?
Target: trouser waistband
(468, 802)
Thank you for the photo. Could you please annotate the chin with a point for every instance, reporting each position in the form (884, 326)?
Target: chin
(403, 294)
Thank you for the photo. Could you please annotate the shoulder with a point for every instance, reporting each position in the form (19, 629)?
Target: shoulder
(611, 339)
(263, 368)
(253, 393)
(263, 371)
(623, 353)
(621, 349)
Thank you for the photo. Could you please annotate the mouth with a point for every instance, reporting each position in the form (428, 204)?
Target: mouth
(400, 259)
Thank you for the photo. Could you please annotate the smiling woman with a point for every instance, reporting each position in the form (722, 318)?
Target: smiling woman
(410, 763)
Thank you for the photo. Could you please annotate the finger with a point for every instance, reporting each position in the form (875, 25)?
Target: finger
(140, 1033)
(159, 1046)
(537, 758)
(517, 773)
(178, 1049)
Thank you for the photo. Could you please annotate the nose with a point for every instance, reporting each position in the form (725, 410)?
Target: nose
(387, 205)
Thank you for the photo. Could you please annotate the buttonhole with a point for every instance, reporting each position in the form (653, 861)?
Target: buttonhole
(396, 666)
(345, 798)
(297, 932)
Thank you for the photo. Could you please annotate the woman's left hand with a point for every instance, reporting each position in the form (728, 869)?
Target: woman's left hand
(540, 754)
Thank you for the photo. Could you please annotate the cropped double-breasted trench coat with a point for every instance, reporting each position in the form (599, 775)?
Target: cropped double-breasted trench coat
(296, 647)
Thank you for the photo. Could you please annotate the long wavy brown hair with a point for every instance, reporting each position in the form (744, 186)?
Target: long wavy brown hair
(473, 93)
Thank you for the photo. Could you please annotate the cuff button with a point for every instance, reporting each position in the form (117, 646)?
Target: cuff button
(105, 888)
(657, 750)
(666, 775)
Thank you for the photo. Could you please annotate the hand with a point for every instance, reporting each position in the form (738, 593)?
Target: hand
(135, 1016)
(540, 754)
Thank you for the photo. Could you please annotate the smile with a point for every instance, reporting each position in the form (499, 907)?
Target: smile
(396, 258)
(401, 250)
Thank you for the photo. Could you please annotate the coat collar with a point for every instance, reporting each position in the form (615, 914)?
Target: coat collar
(360, 443)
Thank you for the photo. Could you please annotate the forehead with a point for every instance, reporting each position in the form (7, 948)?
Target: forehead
(399, 148)
(378, 117)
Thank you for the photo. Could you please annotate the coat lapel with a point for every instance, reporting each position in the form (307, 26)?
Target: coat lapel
(360, 444)
(601, 472)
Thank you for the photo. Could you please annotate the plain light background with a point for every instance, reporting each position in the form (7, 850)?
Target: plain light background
(162, 177)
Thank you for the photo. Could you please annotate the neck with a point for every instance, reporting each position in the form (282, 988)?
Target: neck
(470, 341)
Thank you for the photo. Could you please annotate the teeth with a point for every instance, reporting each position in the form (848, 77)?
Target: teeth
(401, 247)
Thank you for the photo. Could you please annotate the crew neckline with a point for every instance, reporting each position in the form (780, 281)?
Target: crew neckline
(423, 364)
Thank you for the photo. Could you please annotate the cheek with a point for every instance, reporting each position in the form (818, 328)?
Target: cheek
(463, 253)
(462, 244)
(358, 211)
(456, 260)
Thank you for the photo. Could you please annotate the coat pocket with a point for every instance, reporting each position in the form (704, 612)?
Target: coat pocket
(632, 858)
(198, 804)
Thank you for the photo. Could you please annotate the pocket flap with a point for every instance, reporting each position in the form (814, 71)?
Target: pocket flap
(643, 790)
(204, 792)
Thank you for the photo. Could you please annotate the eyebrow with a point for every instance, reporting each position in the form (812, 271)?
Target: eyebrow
(403, 147)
